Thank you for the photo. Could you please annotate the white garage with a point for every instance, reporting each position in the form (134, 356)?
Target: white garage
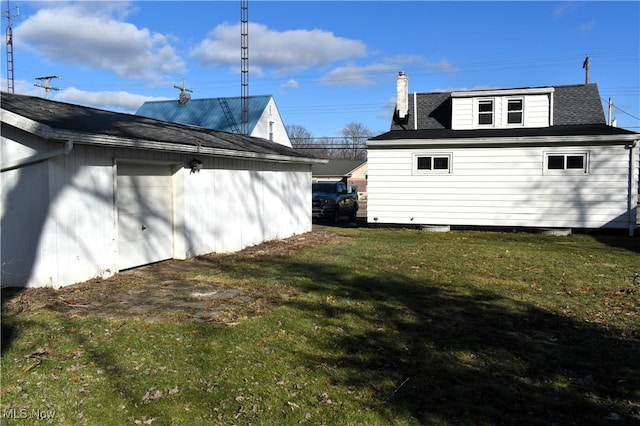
(87, 193)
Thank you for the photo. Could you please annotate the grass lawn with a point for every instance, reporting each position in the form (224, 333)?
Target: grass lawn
(391, 327)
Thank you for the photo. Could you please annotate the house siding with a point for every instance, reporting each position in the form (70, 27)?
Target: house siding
(271, 114)
(59, 217)
(535, 110)
(500, 187)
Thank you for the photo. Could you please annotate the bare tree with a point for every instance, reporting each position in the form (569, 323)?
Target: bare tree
(355, 139)
(299, 136)
(351, 146)
(303, 140)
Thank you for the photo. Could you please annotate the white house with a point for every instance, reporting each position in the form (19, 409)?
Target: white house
(87, 193)
(523, 157)
(263, 118)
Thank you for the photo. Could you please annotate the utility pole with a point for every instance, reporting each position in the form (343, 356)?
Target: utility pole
(586, 65)
(184, 93)
(9, 40)
(244, 65)
(47, 88)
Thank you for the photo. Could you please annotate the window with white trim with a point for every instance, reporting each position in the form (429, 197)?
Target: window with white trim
(574, 162)
(433, 163)
(485, 112)
(514, 111)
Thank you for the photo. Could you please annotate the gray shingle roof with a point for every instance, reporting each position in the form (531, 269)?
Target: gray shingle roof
(90, 121)
(565, 130)
(335, 168)
(573, 105)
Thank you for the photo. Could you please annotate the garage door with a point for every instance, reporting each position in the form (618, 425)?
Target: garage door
(145, 214)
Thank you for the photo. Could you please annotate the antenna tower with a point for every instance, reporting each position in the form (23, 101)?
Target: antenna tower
(184, 93)
(8, 15)
(244, 64)
(45, 85)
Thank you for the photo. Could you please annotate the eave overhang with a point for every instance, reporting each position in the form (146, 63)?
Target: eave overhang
(62, 135)
(507, 141)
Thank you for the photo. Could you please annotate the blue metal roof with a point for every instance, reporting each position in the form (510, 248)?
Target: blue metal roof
(207, 113)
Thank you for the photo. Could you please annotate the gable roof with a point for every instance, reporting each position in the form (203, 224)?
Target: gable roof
(60, 121)
(336, 168)
(208, 113)
(577, 104)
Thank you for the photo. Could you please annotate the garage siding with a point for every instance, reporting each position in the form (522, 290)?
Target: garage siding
(60, 217)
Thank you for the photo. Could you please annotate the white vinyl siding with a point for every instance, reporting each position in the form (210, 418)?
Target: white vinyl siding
(271, 127)
(61, 215)
(499, 187)
(462, 113)
(465, 111)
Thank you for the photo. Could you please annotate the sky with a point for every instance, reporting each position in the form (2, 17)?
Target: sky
(326, 63)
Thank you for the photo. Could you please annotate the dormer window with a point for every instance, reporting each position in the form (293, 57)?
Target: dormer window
(502, 108)
(514, 111)
(485, 112)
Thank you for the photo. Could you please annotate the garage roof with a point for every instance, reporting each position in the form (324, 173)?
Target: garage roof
(62, 121)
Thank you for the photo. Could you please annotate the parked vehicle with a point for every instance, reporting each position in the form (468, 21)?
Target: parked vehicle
(332, 200)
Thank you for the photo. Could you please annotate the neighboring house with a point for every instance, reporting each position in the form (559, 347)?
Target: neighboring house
(523, 157)
(224, 114)
(87, 193)
(351, 172)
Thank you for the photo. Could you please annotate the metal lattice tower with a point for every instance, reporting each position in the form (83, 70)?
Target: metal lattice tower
(244, 65)
(10, 77)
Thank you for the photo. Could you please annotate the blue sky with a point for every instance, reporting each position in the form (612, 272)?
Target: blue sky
(327, 63)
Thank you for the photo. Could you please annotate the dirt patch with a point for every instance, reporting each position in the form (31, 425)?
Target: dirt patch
(163, 290)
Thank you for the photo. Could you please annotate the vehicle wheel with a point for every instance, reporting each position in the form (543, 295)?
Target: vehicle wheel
(336, 215)
(353, 216)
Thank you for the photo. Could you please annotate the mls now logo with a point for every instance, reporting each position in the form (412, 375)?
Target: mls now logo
(23, 413)
(15, 413)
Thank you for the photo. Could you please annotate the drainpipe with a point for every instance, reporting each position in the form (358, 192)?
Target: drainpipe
(632, 196)
(38, 158)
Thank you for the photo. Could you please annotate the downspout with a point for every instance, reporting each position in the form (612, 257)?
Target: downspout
(632, 196)
(38, 158)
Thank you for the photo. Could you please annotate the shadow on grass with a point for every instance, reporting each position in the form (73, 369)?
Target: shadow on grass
(8, 330)
(434, 354)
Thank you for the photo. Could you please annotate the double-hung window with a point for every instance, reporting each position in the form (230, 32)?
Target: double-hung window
(436, 163)
(485, 112)
(566, 162)
(514, 111)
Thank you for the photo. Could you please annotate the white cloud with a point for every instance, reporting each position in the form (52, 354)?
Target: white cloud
(282, 51)
(350, 75)
(119, 101)
(367, 75)
(22, 87)
(93, 38)
(563, 9)
(290, 84)
(587, 27)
